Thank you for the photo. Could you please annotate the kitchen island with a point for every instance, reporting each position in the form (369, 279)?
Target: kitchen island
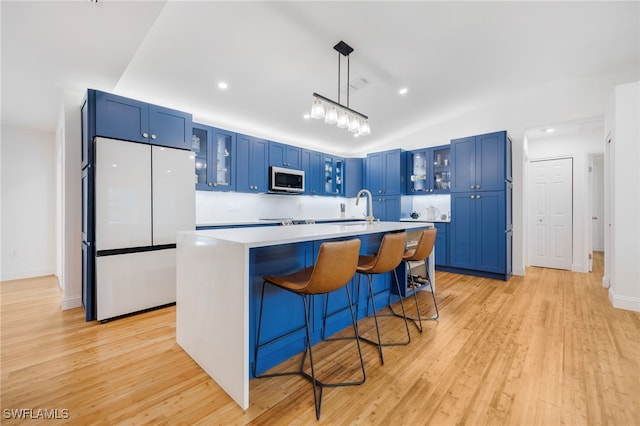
(219, 277)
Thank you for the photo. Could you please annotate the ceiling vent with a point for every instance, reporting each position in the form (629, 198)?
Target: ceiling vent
(358, 84)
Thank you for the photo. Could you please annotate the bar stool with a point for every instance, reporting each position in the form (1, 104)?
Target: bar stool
(421, 252)
(387, 259)
(334, 268)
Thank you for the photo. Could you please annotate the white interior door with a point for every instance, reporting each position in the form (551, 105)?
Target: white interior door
(551, 211)
(123, 194)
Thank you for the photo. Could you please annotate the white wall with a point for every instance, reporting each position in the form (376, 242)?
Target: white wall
(69, 138)
(624, 290)
(28, 203)
(515, 111)
(597, 202)
(578, 147)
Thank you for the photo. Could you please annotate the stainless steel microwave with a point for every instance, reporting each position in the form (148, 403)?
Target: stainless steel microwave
(286, 180)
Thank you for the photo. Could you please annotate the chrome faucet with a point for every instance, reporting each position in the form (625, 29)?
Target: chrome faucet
(369, 217)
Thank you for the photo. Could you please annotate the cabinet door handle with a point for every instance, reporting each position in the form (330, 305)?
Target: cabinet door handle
(145, 135)
(477, 186)
(473, 196)
(153, 136)
(477, 197)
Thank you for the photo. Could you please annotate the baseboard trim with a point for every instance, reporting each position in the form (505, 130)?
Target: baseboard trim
(71, 302)
(20, 275)
(624, 302)
(605, 281)
(518, 271)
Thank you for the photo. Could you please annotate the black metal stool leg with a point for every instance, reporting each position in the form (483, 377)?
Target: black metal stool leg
(418, 321)
(404, 313)
(317, 384)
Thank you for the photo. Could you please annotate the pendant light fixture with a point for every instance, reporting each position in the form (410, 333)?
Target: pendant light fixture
(335, 112)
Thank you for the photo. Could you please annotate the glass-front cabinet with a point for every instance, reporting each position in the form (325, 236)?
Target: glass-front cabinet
(333, 175)
(429, 171)
(214, 158)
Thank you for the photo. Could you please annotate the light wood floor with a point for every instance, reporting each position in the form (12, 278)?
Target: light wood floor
(547, 349)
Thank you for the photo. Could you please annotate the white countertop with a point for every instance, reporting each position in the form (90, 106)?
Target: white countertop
(422, 220)
(274, 221)
(261, 236)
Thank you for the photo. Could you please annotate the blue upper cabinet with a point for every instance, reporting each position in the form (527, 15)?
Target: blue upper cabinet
(429, 171)
(386, 172)
(387, 207)
(312, 165)
(282, 155)
(252, 156)
(168, 127)
(374, 179)
(480, 163)
(127, 119)
(353, 176)
(215, 151)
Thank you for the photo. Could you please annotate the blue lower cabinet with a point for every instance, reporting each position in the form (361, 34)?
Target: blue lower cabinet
(478, 233)
(88, 282)
(441, 247)
(284, 311)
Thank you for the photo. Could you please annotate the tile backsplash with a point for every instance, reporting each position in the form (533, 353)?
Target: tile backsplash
(432, 207)
(212, 207)
(216, 207)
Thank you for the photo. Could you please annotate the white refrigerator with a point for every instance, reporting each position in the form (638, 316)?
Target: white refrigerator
(144, 195)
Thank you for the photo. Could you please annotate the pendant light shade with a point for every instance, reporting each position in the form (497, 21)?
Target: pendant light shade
(354, 124)
(332, 115)
(336, 113)
(364, 128)
(343, 119)
(317, 110)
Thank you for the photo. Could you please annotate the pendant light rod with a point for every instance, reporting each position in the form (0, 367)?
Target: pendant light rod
(345, 117)
(339, 105)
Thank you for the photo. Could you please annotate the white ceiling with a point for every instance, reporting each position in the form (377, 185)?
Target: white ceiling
(274, 55)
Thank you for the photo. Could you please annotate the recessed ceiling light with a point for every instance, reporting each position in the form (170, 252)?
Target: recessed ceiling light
(549, 130)
(306, 116)
(403, 91)
(222, 85)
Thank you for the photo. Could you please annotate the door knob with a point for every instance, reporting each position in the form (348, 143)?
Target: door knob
(594, 218)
